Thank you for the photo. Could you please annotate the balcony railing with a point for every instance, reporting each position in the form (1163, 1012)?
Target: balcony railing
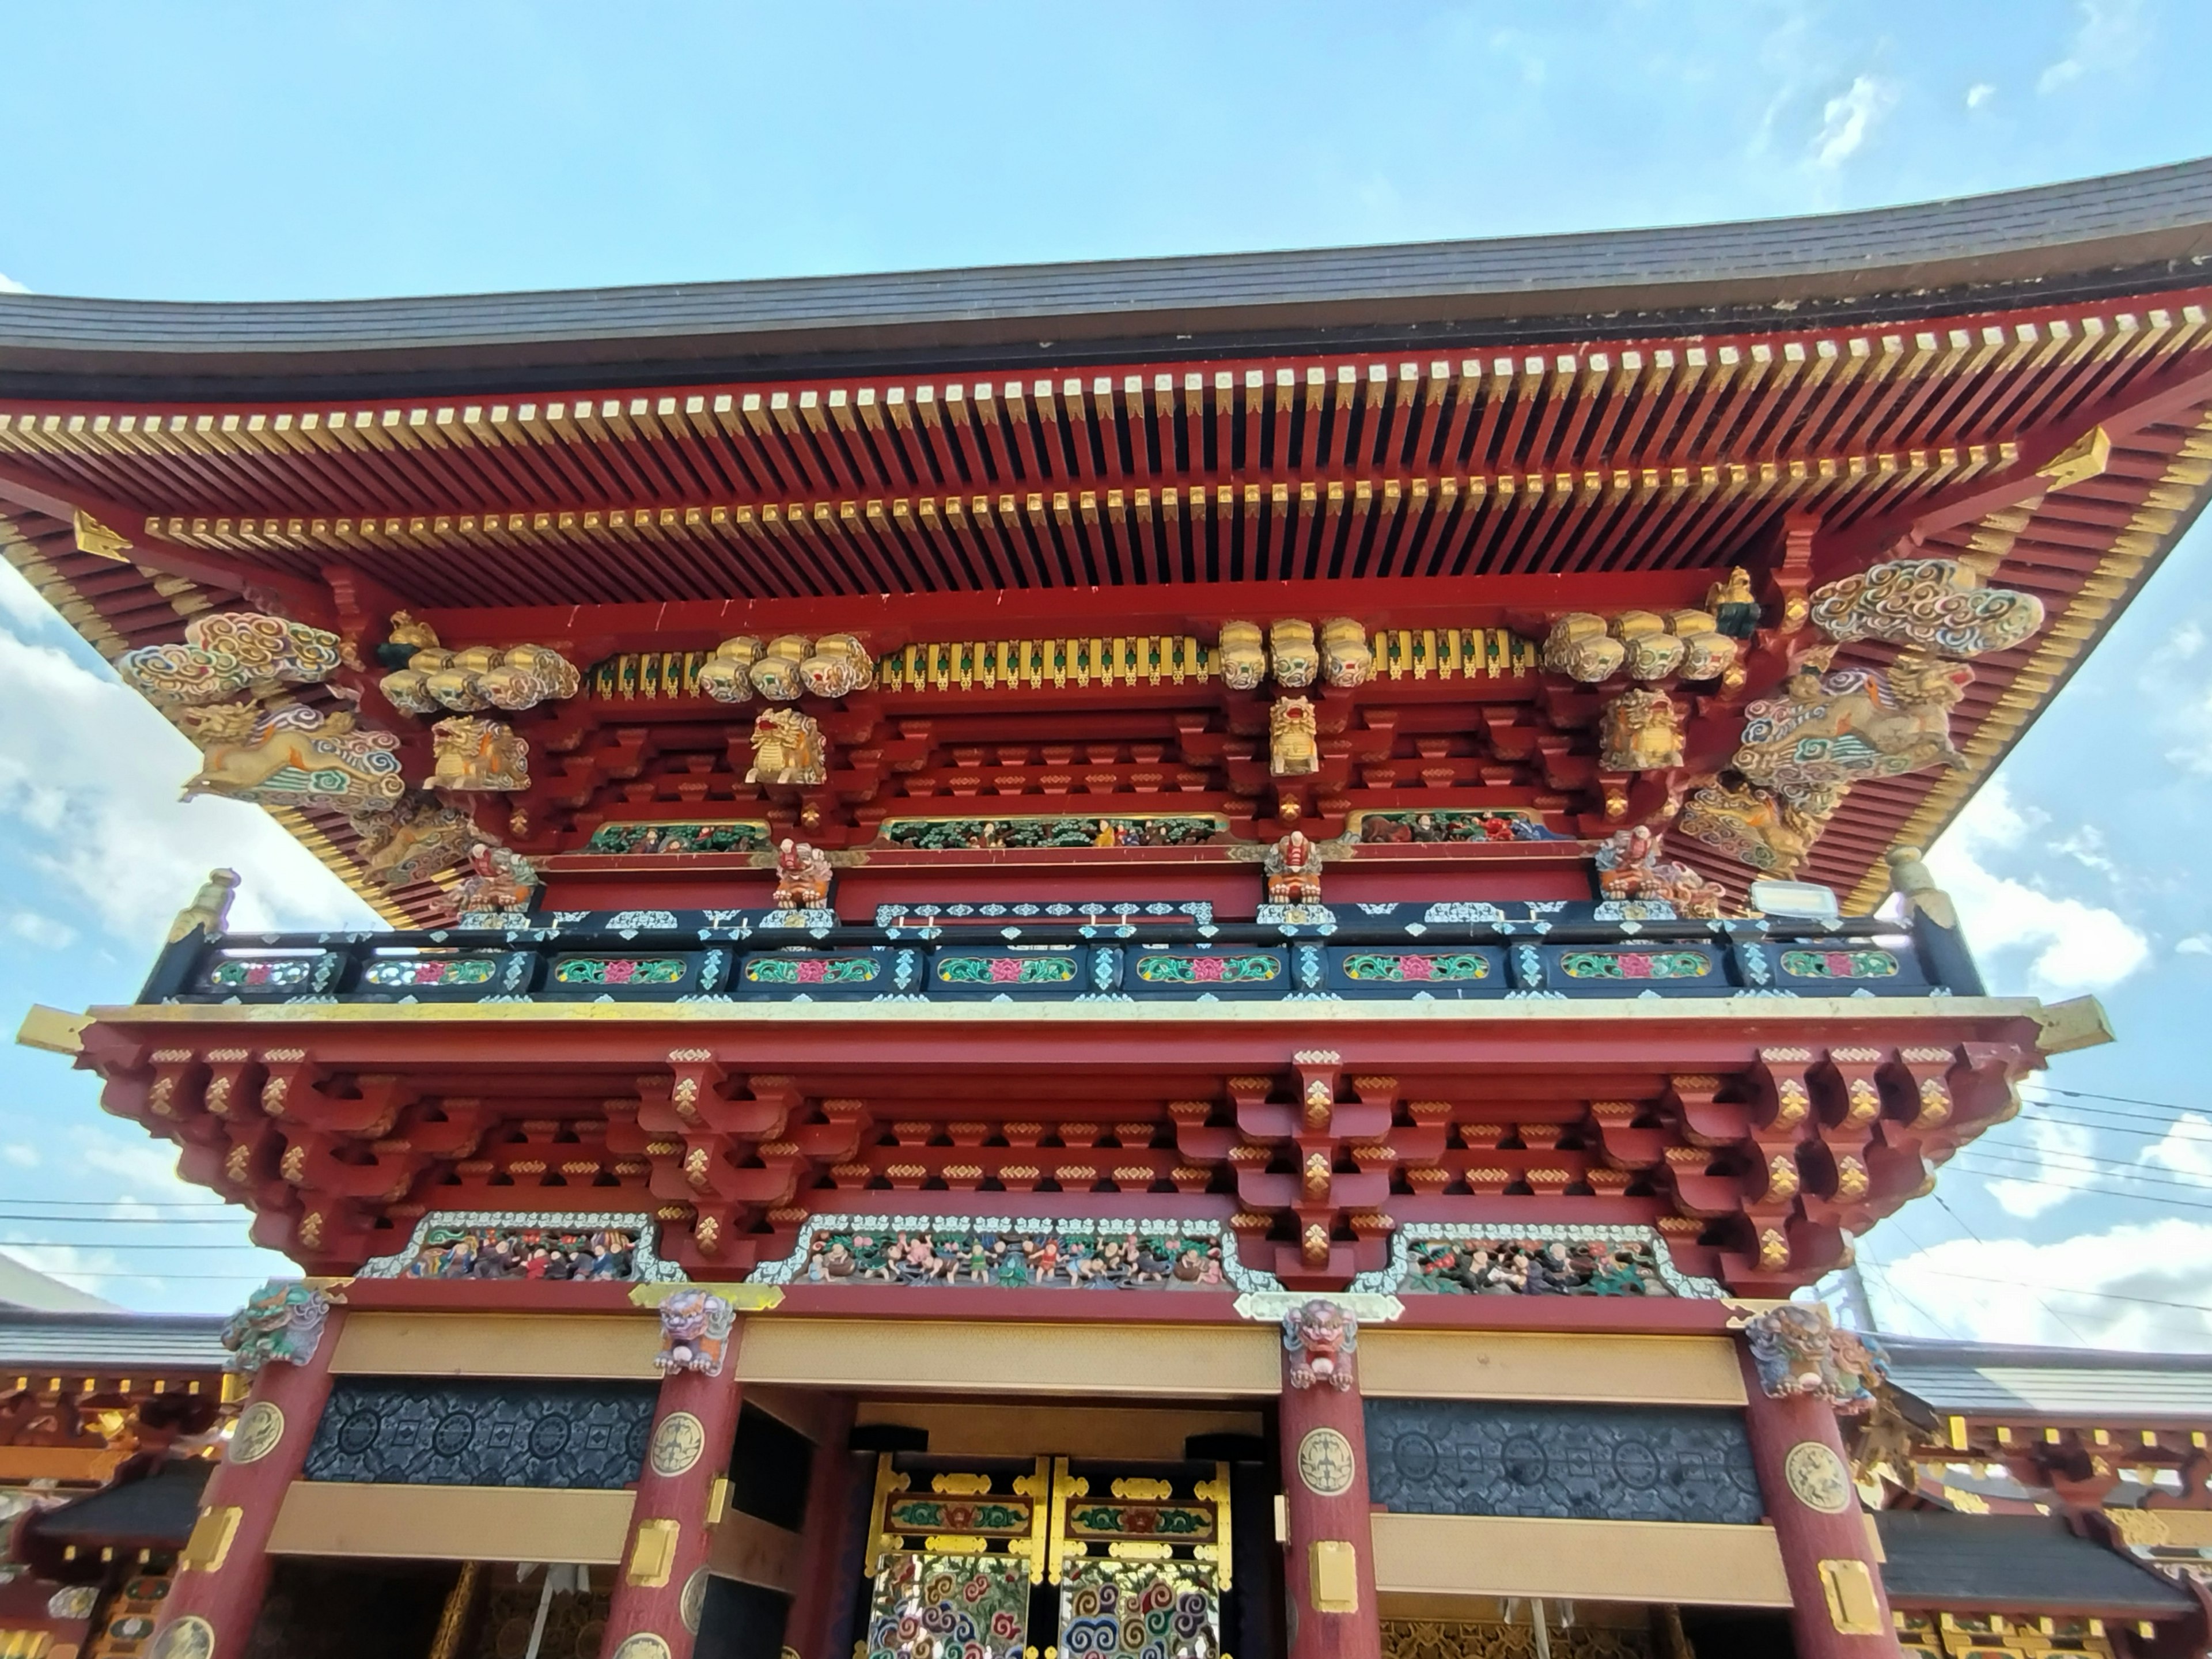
(1449, 950)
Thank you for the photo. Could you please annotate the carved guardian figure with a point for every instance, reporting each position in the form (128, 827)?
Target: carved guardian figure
(1755, 826)
(1857, 723)
(1293, 870)
(470, 753)
(1293, 750)
(1800, 1349)
(787, 749)
(1640, 732)
(281, 1321)
(400, 848)
(1321, 1338)
(802, 877)
(293, 756)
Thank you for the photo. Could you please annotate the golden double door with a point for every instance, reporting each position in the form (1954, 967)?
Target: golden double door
(1097, 1562)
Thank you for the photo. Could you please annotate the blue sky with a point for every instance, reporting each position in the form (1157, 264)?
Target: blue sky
(285, 152)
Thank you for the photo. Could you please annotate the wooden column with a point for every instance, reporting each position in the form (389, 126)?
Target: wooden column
(1328, 1566)
(223, 1573)
(1839, 1609)
(661, 1584)
(822, 1588)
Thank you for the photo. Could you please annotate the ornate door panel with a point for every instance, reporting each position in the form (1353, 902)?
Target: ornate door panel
(954, 1567)
(1141, 1565)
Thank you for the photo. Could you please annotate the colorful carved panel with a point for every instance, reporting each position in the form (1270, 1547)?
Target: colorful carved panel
(1070, 1258)
(447, 1250)
(411, 973)
(1938, 604)
(813, 968)
(1839, 964)
(1014, 1254)
(1140, 1610)
(1445, 824)
(619, 971)
(969, 834)
(1406, 967)
(505, 1244)
(1059, 970)
(1431, 1638)
(226, 653)
(1580, 1462)
(1635, 964)
(1471, 1259)
(1208, 968)
(647, 840)
(949, 1606)
(476, 1432)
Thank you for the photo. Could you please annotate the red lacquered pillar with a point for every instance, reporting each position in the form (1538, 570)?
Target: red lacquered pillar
(1328, 1566)
(821, 1589)
(1839, 1609)
(224, 1571)
(661, 1584)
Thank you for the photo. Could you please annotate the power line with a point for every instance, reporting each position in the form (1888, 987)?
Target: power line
(104, 1203)
(240, 1219)
(2067, 1290)
(2013, 1172)
(2090, 1174)
(1936, 1193)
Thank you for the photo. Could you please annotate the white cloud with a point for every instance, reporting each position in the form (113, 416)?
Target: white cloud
(146, 1167)
(2009, 1289)
(2062, 1153)
(41, 930)
(22, 1157)
(2186, 1149)
(1847, 118)
(2197, 944)
(2077, 946)
(10, 285)
(92, 1271)
(1980, 94)
(2109, 37)
(90, 782)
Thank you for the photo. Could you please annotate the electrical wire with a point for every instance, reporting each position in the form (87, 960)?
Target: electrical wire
(2014, 1173)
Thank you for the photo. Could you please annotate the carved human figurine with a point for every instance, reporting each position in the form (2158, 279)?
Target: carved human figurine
(1293, 869)
(1321, 1338)
(802, 876)
(1735, 610)
(1629, 867)
(498, 880)
(1292, 748)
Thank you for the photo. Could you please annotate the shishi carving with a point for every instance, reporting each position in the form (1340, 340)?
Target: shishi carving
(294, 755)
(787, 749)
(1858, 723)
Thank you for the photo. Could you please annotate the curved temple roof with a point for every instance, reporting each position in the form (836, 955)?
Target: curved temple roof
(2072, 240)
(1904, 378)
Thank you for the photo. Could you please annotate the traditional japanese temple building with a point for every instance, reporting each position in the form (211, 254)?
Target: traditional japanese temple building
(1147, 960)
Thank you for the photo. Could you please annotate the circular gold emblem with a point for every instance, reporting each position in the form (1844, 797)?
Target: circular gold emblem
(695, 1600)
(1325, 1463)
(1818, 1477)
(189, 1637)
(644, 1646)
(255, 1435)
(677, 1443)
